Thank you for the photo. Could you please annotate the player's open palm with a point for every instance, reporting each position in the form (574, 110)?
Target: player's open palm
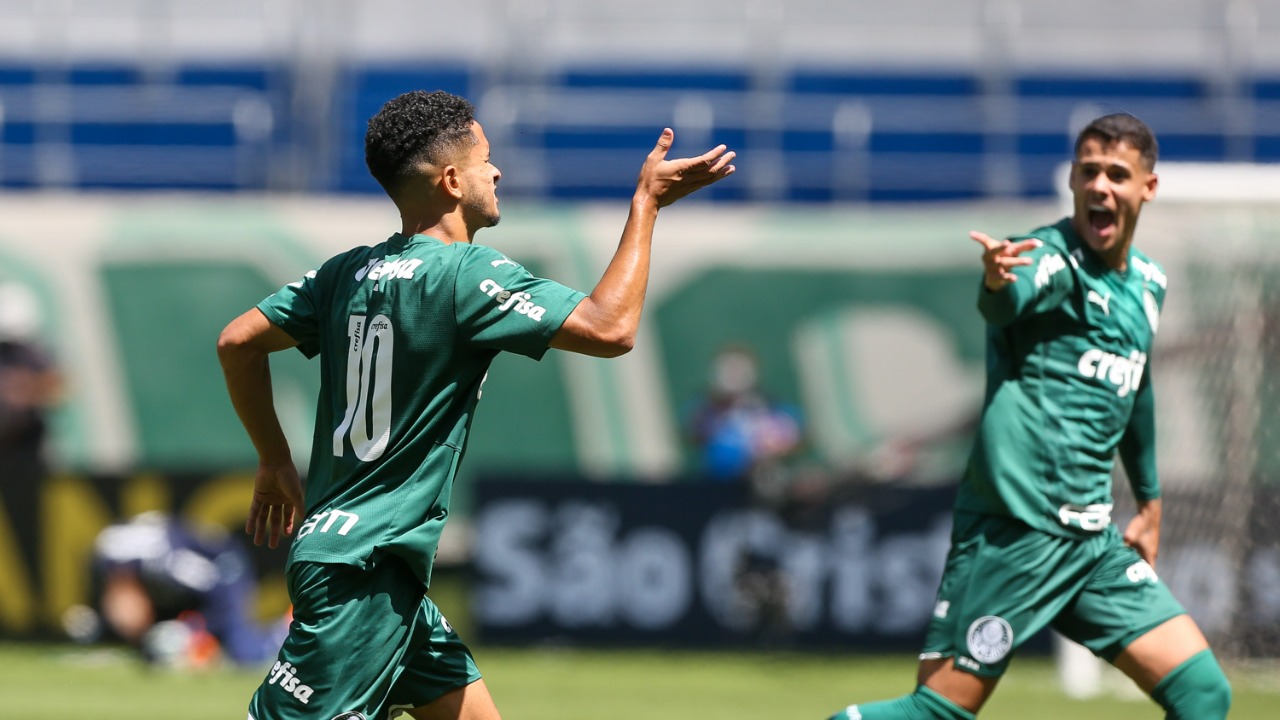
(277, 497)
(669, 180)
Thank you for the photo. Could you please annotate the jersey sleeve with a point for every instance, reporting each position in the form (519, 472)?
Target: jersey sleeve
(1137, 448)
(501, 305)
(294, 308)
(1041, 286)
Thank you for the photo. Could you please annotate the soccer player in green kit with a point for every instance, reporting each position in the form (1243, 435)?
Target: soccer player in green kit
(405, 331)
(1071, 312)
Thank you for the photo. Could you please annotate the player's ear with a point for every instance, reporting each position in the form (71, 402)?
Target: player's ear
(1153, 182)
(451, 181)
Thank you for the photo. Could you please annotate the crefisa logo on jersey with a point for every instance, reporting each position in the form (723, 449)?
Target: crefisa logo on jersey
(521, 302)
(990, 639)
(379, 268)
(1123, 372)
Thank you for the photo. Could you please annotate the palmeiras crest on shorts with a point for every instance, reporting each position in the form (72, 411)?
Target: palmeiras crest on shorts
(990, 639)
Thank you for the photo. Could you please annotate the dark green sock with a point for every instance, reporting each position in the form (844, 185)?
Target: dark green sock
(1195, 690)
(923, 704)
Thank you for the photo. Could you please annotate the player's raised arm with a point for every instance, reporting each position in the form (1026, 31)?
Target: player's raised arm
(604, 324)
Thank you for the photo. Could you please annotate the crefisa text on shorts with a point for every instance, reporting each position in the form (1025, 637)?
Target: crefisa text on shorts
(282, 673)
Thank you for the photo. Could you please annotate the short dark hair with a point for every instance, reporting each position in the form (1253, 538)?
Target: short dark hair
(1123, 127)
(413, 128)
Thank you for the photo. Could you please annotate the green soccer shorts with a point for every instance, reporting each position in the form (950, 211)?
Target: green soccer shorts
(1004, 582)
(364, 644)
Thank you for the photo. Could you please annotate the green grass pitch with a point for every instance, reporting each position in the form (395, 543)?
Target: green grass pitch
(53, 682)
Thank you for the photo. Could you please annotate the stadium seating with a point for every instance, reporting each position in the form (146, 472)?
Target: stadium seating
(933, 100)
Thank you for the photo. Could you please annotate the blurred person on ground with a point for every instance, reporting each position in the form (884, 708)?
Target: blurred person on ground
(1071, 310)
(180, 593)
(30, 388)
(406, 330)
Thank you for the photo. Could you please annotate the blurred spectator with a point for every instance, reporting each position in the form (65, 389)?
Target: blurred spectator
(178, 593)
(742, 434)
(30, 386)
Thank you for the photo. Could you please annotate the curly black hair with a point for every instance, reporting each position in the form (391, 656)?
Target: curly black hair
(413, 128)
(1125, 128)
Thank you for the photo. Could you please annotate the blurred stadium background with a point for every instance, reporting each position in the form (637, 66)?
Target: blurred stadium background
(165, 164)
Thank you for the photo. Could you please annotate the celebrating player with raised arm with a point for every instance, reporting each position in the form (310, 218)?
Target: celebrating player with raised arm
(405, 331)
(1071, 310)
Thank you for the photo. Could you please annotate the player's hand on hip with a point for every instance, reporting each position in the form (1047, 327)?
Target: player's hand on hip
(999, 257)
(277, 498)
(666, 181)
(1143, 531)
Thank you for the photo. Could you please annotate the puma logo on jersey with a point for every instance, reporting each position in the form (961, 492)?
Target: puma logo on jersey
(521, 302)
(1123, 372)
(284, 676)
(1100, 301)
(503, 261)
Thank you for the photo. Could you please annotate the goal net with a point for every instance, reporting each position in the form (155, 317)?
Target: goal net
(1216, 230)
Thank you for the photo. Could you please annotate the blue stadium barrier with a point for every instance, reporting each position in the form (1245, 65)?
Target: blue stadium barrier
(363, 90)
(839, 82)
(132, 126)
(1109, 87)
(628, 78)
(838, 133)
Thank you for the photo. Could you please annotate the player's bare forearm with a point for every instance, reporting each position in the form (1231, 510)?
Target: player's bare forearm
(605, 323)
(243, 350)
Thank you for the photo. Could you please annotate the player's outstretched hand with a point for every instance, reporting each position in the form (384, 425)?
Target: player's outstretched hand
(999, 257)
(666, 181)
(277, 497)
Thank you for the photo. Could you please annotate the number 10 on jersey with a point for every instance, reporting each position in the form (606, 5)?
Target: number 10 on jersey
(367, 419)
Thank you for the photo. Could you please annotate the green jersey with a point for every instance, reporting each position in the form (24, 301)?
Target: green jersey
(1068, 385)
(405, 331)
